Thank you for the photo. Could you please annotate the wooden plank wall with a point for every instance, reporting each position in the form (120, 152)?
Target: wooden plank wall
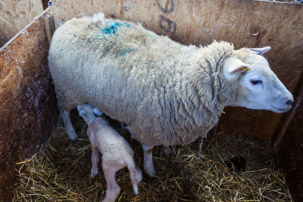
(290, 147)
(15, 15)
(242, 22)
(28, 108)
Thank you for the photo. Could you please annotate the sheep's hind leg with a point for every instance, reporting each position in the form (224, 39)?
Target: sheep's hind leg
(148, 164)
(69, 129)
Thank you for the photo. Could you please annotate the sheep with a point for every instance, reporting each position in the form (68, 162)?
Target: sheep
(165, 92)
(116, 152)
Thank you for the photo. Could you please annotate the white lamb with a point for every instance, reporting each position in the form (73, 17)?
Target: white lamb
(165, 92)
(116, 152)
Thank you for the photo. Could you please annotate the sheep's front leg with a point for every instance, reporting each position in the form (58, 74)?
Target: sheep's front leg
(69, 129)
(148, 160)
(95, 161)
(113, 189)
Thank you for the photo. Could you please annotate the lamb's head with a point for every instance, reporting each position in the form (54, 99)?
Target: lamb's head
(84, 109)
(256, 86)
(87, 108)
(88, 112)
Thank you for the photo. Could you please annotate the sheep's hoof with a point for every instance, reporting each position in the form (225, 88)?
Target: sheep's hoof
(166, 151)
(94, 173)
(150, 171)
(72, 135)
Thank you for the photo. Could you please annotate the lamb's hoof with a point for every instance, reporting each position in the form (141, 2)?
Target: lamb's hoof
(112, 194)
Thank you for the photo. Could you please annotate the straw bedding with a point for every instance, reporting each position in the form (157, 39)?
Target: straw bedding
(60, 171)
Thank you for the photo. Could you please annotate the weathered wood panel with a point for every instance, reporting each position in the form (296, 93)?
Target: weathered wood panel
(15, 15)
(290, 147)
(28, 110)
(244, 23)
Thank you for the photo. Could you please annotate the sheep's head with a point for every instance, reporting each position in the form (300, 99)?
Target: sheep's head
(255, 84)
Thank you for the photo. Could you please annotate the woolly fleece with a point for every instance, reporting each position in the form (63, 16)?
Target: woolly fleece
(167, 93)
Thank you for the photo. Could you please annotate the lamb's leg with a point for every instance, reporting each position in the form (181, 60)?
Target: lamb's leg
(138, 175)
(95, 161)
(148, 164)
(113, 189)
(135, 174)
(69, 129)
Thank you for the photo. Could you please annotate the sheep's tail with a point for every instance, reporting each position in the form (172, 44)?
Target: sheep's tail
(135, 174)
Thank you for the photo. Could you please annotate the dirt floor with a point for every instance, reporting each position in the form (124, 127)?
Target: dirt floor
(228, 169)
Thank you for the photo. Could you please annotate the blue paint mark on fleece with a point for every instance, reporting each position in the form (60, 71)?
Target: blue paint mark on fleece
(113, 28)
(125, 51)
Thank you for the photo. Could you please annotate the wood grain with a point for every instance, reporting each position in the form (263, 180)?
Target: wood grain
(15, 15)
(290, 147)
(28, 109)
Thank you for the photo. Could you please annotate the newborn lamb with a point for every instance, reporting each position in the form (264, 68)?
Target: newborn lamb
(116, 152)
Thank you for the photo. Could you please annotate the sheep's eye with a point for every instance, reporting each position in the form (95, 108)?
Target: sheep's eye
(256, 82)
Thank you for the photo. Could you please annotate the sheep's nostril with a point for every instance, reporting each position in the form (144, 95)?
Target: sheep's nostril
(289, 102)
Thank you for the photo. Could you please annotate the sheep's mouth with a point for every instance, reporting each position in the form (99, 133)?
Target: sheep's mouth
(280, 109)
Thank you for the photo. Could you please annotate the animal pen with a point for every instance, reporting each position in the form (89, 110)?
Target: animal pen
(249, 156)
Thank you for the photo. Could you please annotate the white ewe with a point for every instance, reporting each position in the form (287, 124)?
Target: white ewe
(166, 93)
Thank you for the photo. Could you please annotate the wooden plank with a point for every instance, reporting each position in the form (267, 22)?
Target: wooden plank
(244, 23)
(28, 110)
(15, 15)
(290, 148)
(49, 26)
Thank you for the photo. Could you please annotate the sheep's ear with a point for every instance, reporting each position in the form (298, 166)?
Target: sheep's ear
(260, 51)
(233, 68)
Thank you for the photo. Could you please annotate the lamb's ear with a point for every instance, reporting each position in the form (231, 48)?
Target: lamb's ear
(260, 51)
(97, 112)
(82, 112)
(233, 68)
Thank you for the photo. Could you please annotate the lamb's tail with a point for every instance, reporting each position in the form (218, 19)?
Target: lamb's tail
(99, 17)
(135, 174)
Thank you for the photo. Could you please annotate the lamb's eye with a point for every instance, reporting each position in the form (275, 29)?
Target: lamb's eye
(256, 82)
